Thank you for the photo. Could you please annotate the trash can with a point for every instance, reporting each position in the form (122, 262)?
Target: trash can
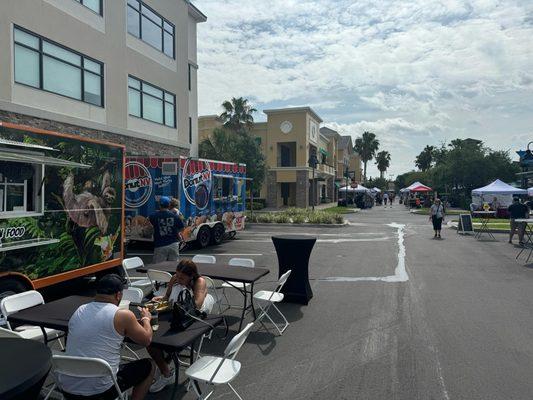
(293, 254)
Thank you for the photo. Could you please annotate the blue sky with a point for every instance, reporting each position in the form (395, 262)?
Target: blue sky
(415, 72)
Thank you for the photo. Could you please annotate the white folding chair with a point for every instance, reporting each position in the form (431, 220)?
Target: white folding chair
(133, 294)
(244, 288)
(9, 334)
(214, 371)
(82, 367)
(159, 281)
(21, 301)
(204, 259)
(266, 300)
(142, 283)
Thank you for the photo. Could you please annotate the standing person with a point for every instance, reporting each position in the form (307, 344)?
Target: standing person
(517, 210)
(175, 206)
(436, 216)
(167, 227)
(97, 330)
(385, 198)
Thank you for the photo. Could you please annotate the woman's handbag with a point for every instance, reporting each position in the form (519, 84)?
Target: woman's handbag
(183, 311)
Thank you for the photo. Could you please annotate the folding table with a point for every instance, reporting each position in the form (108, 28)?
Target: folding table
(56, 315)
(528, 232)
(484, 228)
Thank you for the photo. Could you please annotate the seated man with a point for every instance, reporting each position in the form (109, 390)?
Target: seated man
(97, 329)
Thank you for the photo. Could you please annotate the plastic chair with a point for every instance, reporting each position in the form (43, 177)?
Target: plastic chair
(139, 282)
(270, 298)
(159, 281)
(82, 367)
(9, 334)
(241, 286)
(21, 301)
(133, 294)
(214, 371)
(204, 259)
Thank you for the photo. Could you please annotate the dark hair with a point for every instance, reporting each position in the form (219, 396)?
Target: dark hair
(189, 268)
(110, 284)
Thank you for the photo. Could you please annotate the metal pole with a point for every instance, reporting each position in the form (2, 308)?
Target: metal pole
(314, 194)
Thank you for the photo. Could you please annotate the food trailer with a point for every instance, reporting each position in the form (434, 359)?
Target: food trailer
(211, 194)
(61, 207)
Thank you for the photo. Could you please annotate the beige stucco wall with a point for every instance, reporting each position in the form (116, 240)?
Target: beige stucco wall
(105, 39)
(287, 176)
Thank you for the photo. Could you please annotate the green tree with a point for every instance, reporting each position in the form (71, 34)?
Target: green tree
(237, 115)
(383, 162)
(366, 146)
(425, 159)
(228, 145)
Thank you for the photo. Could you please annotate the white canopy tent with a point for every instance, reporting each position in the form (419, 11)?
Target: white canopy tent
(500, 190)
(530, 192)
(377, 190)
(358, 189)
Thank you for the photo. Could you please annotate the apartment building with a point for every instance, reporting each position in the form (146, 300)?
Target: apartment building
(288, 139)
(119, 70)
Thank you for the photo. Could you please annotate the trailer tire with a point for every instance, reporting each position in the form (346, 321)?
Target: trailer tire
(217, 234)
(9, 286)
(203, 237)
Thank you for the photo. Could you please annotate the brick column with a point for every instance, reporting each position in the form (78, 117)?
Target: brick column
(272, 189)
(331, 188)
(302, 189)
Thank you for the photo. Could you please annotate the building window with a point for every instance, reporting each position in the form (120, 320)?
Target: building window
(149, 102)
(94, 5)
(150, 27)
(48, 66)
(20, 188)
(190, 130)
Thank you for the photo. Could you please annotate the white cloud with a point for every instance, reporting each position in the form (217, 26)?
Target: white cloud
(415, 72)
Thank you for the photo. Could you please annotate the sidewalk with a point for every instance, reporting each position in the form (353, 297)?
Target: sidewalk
(317, 207)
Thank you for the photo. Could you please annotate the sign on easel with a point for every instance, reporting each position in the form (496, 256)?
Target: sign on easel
(465, 224)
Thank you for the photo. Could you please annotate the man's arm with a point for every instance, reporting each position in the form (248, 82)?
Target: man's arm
(140, 333)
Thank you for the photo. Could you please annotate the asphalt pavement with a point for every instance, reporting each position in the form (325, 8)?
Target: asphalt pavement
(395, 315)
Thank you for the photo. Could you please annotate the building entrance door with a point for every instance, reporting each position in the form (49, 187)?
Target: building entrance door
(285, 193)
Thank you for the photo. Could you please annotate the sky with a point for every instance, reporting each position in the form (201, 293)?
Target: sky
(414, 72)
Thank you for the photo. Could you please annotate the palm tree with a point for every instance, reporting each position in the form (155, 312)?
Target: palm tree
(366, 146)
(425, 158)
(237, 115)
(383, 162)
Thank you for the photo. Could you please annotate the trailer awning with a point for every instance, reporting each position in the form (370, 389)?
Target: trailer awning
(25, 145)
(37, 158)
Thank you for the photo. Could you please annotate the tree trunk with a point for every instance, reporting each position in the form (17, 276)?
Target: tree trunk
(364, 174)
(381, 174)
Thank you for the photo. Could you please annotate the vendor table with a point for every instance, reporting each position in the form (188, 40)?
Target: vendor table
(293, 254)
(484, 228)
(56, 315)
(224, 272)
(24, 367)
(528, 233)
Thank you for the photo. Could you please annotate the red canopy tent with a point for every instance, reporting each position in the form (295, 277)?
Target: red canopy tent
(421, 188)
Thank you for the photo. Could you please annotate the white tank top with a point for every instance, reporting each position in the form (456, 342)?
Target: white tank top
(92, 333)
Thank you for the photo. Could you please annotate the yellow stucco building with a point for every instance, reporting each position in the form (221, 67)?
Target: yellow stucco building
(288, 139)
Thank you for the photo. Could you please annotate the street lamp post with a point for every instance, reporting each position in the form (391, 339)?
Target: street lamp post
(346, 173)
(313, 161)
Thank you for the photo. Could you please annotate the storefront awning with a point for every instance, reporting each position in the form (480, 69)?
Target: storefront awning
(324, 152)
(337, 184)
(37, 158)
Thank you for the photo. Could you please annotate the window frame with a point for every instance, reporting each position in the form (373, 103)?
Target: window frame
(161, 26)
(163, 100)
(101, 6)
(41, 54)
(38, 194)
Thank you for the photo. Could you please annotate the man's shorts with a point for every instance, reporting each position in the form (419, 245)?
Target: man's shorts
(166, 253)
(128, 375)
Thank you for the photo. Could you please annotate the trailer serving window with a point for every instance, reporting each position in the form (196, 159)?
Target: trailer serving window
(223, 186)
(20, 188)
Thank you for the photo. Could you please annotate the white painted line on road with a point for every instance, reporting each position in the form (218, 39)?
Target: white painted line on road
(400, 273)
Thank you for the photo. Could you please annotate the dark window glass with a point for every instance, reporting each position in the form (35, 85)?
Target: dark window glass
(64, 71)
(150, 27)
(95, 5)
(151, 103)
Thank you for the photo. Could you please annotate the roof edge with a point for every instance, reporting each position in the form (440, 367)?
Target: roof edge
(195, 12)
(294, 109)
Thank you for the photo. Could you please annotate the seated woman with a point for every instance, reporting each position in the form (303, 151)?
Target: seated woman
(185, 278)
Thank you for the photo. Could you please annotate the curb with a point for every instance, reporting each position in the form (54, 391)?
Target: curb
(300, 225)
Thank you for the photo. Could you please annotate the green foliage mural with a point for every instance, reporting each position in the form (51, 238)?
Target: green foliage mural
(79, 222)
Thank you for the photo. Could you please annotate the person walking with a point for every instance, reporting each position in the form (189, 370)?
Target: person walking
(385, 199)
(517, 210)
(436, 216)
(167, 226)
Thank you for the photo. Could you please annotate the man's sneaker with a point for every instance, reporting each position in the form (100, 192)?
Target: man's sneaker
(163, 381)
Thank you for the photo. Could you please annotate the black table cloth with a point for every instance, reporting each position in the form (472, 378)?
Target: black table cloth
(293, 254)
(24, 366)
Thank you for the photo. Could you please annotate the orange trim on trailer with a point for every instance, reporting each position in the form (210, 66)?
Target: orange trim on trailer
(65, 276)
(53, 133)
(19, 275)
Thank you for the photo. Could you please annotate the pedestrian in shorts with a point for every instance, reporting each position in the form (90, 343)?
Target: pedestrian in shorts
(167, 226)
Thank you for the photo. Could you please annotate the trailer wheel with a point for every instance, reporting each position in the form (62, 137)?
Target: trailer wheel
(203, 237)
(11, 286)
(217, 234)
